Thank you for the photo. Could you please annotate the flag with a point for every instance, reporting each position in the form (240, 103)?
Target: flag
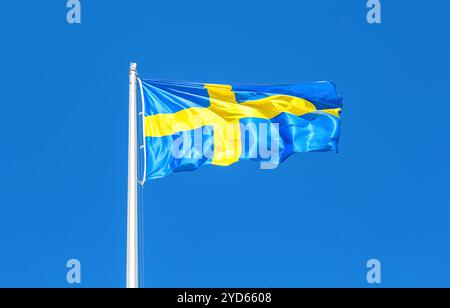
(187, 125)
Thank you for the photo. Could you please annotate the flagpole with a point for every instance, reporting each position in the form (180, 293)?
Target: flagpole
(132, 220)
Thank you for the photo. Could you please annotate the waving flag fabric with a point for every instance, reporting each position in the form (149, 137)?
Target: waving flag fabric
(187, 125)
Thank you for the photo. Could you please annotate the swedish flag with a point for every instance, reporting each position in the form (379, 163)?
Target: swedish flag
(187, 125)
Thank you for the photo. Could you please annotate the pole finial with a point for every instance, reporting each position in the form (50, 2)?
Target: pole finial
(133, 66)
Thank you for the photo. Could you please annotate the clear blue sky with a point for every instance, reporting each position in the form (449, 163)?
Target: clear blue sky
(315, 221)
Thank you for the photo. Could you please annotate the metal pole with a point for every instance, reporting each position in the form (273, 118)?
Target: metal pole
(132, 223)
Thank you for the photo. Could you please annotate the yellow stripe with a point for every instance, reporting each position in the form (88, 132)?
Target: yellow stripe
(166, 124)
(160, 125)
(227, 137)
(224, 114)
(220, 93)
(336, 112)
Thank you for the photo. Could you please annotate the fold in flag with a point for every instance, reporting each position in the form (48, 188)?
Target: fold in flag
(188, 125)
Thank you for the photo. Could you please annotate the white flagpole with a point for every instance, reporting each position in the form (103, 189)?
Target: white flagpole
(132, 223)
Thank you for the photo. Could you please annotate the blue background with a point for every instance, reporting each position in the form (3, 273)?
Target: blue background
(315, 221)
